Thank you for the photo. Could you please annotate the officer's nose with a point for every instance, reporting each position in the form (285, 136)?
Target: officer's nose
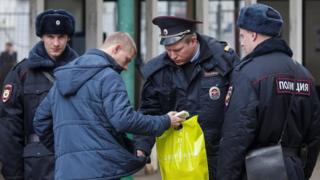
(173, 55)
(55, 41)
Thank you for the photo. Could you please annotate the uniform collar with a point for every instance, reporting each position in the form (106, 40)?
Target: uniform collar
(197, 54)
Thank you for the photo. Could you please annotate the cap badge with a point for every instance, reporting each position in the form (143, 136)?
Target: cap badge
(58, 22)
(165, 32)
(214, 93)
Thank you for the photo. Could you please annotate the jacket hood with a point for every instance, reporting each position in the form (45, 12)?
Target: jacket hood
(71, 77)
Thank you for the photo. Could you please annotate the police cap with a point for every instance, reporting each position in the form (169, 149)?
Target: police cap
(55, 21)
(260, 18)
(173, 29)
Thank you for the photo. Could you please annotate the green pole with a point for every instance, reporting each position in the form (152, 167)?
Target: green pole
(126, 23)
(126, 17)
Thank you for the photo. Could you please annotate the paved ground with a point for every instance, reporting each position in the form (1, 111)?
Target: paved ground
(140, 175)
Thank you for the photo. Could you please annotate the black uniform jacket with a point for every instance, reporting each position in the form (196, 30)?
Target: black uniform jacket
(24, 88)
(264, 85)
(200, 92)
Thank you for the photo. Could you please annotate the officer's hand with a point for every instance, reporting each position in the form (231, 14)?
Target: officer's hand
(141, 153)
(175, 120)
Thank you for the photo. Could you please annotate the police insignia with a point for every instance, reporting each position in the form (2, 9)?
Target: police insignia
(214, 93)
(7, 90)
(165, 32)
(58, 22)
(228, 96)
(287, 85)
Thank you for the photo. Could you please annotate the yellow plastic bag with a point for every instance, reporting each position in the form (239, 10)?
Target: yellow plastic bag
(182, 153)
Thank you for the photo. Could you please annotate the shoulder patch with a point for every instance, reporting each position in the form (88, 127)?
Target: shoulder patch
(287, 85)
(7, 91)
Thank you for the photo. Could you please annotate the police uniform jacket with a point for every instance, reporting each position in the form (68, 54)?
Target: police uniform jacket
(91, 112)
(24, 88)
(167, 88)
(265, 85)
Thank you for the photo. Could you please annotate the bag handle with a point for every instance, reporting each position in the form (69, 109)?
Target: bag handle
(48, 76)
(288, 112)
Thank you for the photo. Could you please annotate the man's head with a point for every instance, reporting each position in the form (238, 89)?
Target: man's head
(8, 46)
(121, 47)
(179, 37)
(257, 23)
(55, 27)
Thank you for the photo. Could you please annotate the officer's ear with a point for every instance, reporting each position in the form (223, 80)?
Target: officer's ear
(254, 36)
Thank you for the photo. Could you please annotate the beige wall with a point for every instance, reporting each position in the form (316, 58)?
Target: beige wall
(312, 38)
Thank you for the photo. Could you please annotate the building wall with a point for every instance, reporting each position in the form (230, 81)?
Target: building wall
(14, 25)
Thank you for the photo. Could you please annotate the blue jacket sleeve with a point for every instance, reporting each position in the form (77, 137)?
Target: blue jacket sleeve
(122, 115)
(43, 122)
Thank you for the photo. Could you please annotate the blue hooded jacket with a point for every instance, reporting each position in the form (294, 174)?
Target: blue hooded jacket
(88, 111)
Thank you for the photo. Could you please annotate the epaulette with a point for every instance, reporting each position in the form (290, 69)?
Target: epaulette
(226, 47)
(224, 56)
(153, 65)
(19, 64)
(23, 68)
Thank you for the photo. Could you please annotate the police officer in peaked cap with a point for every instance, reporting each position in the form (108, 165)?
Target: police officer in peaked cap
(22, 153)
(193, 75)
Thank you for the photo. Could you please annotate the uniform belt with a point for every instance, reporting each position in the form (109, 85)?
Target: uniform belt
(32, 138)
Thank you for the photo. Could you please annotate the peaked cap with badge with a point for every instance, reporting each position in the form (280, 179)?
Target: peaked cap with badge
(55, 21)
(173, 29)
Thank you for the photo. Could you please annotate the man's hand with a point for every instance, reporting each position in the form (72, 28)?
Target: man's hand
(175, 120)
(141, 153)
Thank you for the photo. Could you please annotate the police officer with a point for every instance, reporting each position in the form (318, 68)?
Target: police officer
(21, 153)
(192, 75)
(268, 89)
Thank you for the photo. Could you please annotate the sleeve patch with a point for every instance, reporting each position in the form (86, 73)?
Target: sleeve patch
(7, 91)
(293, 86)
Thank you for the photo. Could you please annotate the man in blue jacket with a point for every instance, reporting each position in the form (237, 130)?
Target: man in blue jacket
(88, 113)
(268, 89)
